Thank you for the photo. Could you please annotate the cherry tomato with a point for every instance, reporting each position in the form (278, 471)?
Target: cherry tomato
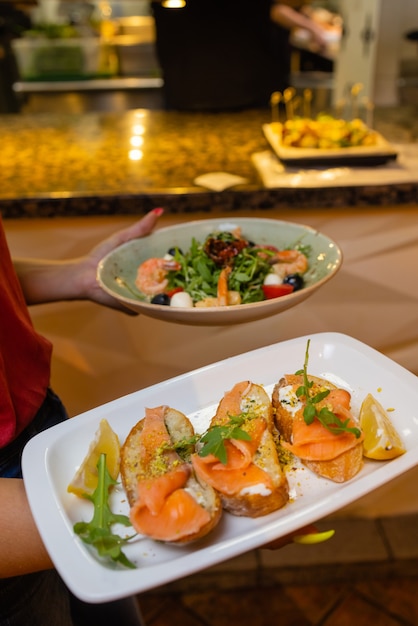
(275, 291)
(170, 293)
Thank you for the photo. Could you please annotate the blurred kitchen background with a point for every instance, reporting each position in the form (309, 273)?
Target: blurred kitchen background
(75, 55)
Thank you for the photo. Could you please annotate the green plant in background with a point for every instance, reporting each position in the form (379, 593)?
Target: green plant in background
(52, 31)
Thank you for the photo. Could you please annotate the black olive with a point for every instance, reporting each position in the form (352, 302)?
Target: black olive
(295, 280)
(173, 251)
(161, 298)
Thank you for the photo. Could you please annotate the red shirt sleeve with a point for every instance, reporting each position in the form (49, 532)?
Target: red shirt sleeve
(25, 356)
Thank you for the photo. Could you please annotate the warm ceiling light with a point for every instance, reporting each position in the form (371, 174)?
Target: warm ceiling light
(173, 4)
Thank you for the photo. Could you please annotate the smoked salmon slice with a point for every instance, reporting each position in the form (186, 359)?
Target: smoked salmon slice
(163, 510)
(239, 472)
(314, 442)
(227, 479)
(178, 515)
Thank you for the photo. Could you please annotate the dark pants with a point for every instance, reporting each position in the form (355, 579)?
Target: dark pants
(42, 598)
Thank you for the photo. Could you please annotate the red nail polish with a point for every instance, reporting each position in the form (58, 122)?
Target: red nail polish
(158, 211)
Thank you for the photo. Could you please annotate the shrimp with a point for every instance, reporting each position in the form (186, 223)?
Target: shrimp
(287, 262)
(224, 296)
(233, 298)
(151, 277)
(223, 286)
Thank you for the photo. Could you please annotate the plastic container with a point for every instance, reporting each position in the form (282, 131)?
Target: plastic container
(141, 26)
(63, 59)
(136, 57)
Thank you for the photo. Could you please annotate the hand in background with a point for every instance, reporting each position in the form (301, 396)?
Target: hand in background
(319, 42)
(89, 264)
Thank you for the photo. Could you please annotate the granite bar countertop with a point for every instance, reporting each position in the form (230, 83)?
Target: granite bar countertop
(127, 163)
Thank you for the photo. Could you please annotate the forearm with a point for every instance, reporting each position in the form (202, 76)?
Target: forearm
(75, 279)
(48, 281)
(21, 546)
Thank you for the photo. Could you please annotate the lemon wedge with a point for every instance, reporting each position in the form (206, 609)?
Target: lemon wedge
(381, 440)
(106, 442)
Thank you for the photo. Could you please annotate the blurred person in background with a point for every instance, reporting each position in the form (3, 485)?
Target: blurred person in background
(14, 19)
(227, 54)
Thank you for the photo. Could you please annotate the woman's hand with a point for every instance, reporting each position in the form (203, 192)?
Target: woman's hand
(88, 265)
(75, 279)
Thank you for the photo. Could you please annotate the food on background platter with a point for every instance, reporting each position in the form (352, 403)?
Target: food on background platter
(224, 270)
(168, 502)
(325, 132)
(316, 424)
(244, 467)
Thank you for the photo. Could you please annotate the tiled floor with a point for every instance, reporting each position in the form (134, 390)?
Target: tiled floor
(366, 574)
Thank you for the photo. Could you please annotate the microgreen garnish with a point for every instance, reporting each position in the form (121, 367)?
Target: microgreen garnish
(184, 447)
(98, 532)
(327, 418)
(215, 437)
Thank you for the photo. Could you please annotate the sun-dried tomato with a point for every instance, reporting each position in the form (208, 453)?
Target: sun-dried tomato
(223, 252)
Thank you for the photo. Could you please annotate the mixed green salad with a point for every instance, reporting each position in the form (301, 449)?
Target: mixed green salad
(199, 273)
(222, 256)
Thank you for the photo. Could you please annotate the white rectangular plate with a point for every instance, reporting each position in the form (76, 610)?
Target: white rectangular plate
(51, 458)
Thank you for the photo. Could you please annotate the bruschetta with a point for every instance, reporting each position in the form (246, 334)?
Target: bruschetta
(331, 447)
(168, 502)
(248, 476)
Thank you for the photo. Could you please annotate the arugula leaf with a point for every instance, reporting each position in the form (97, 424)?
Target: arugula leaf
(98, 531)
(327, 418)
(204, 270)
(215, 437)
(184, 447)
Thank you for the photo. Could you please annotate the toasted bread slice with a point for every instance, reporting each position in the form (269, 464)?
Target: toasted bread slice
(336, 457)
(252, 482)
(342, 468)
(148, 459)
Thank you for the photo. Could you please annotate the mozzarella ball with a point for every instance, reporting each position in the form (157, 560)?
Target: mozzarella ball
(272, 279)
(181, 299)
